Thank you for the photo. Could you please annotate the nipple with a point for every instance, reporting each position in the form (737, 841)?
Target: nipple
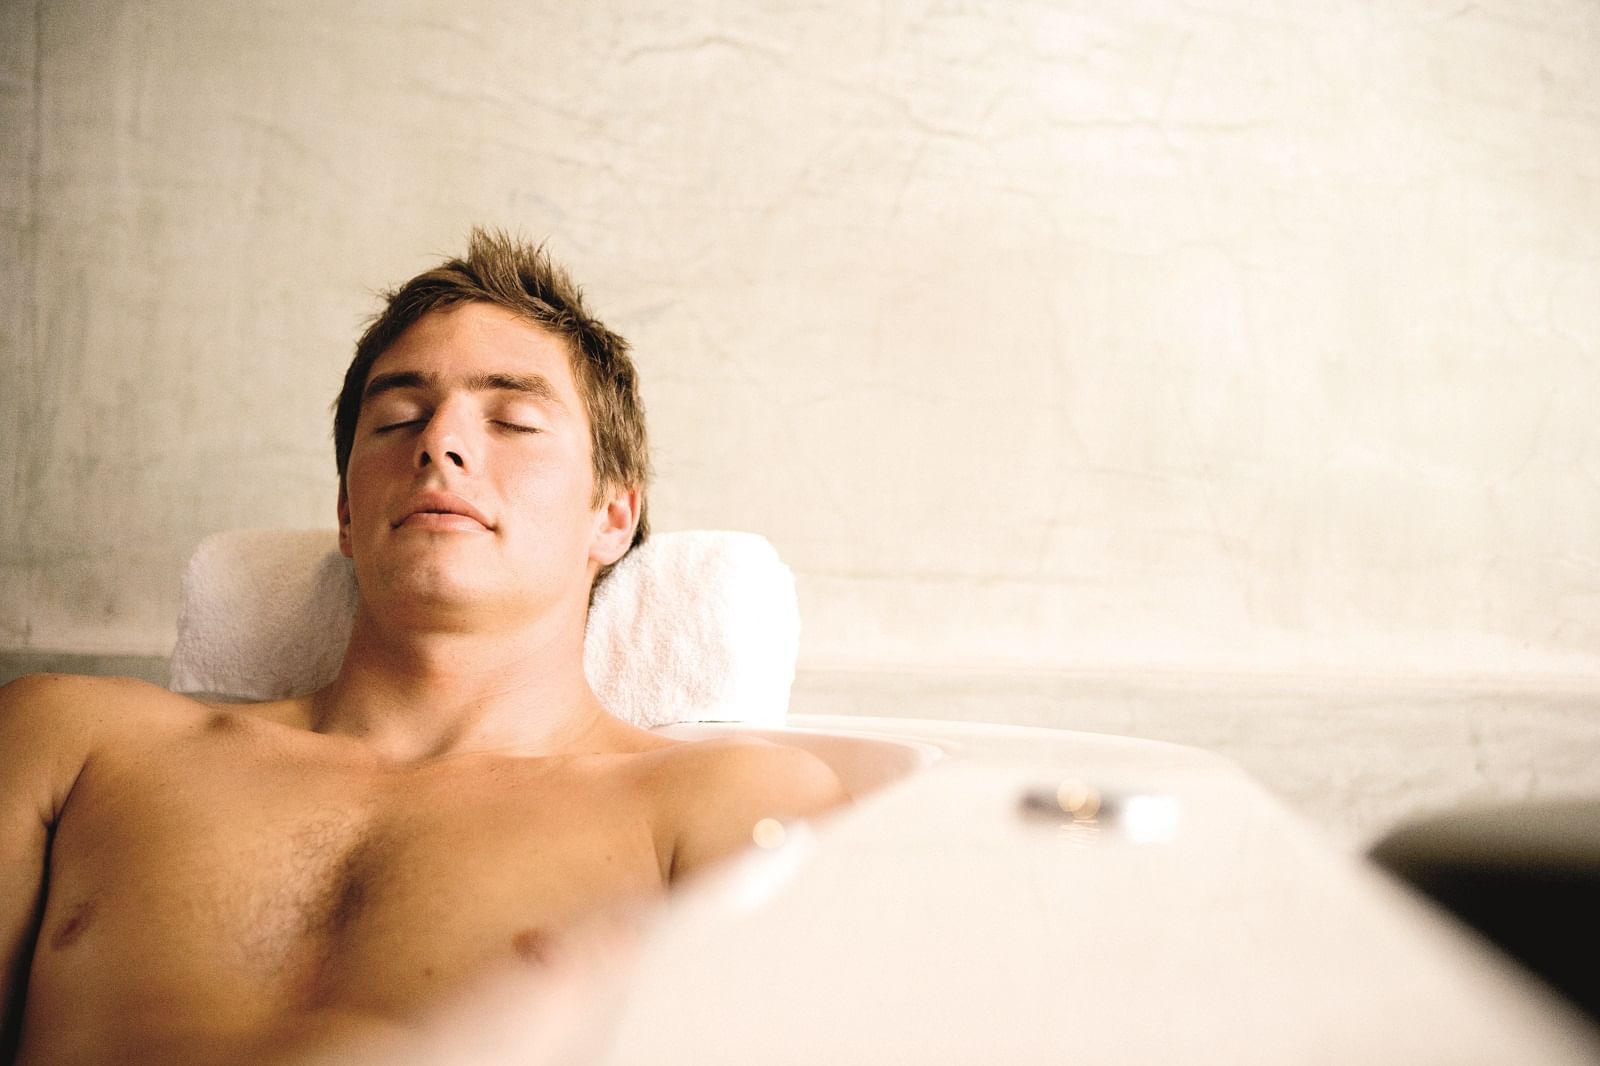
(532, 946)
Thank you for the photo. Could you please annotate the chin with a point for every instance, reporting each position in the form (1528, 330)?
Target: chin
(432, 580)
(451, 572)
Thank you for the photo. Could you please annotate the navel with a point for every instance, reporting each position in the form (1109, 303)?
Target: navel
(77, 923)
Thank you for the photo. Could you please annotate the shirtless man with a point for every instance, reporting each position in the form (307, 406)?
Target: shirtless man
(186, 882)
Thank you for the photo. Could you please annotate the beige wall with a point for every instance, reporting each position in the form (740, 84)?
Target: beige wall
(1241, 335)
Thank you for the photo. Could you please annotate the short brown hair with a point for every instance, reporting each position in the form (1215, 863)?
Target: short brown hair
(520, 277)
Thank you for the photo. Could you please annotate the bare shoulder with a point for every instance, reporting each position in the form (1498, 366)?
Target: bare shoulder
(50, 725)
(66, 703)
(72, 700)
(65, 716)
(712, 793)
(733, 767)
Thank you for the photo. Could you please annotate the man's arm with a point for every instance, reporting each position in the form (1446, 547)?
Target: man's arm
(41, 752)
(729, 786)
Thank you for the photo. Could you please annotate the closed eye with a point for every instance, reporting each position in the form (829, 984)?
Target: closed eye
(397, 425)
(516, 427)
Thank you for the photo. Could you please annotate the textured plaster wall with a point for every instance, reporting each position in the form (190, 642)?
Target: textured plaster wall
(1231, 335)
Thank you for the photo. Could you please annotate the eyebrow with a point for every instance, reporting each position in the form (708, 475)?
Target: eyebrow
(536, 386)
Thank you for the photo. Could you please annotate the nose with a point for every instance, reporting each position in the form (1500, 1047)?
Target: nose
(444, 440)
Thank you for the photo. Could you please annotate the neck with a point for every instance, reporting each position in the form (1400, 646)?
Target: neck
(412, 694)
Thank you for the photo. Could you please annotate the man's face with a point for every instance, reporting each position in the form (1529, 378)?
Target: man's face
(470, 486)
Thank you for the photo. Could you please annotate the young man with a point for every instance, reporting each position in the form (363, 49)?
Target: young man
(192, 882)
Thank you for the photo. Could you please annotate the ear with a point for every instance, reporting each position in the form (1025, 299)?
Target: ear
(344, 521)
(615, 520)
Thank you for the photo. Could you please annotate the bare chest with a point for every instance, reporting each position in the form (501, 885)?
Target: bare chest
(231, 873)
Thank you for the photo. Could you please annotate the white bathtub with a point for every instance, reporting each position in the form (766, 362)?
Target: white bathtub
(959, 914)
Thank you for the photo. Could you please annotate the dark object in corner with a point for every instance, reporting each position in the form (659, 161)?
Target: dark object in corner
(1527, 877)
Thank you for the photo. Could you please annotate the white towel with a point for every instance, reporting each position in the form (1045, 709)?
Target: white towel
(695, 626)
(264, 614)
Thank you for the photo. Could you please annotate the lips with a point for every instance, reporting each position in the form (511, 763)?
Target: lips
(441, 510)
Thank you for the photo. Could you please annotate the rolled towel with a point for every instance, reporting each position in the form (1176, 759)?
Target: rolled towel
(692, 626)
